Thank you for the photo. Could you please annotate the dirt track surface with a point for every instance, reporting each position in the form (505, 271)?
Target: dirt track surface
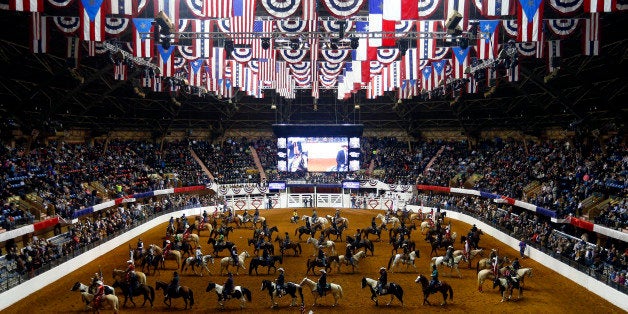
(545, 292)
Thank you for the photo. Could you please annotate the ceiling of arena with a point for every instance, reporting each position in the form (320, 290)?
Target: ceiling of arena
(41, 90)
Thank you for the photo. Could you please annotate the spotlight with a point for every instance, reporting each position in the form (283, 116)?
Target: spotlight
(463, 42)
(355, 43)
(295, 44)
(452, 23)
(356, 106)
(265, 43)
(164, 22)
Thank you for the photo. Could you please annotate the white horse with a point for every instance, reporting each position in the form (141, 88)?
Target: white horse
(322, 220)
(80, 287)
(226, 261)
(505, 287)
(522, 272)
(391, 220)
(110, 299)
(336, 290)
(426, 225)
(326, 244)
(472, 254)
(398, 258)
(483, 275)
(239, 293)
(438, 261)
(192, 261)
(354, 260)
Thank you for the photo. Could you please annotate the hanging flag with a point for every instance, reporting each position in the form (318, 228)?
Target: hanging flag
(497, 7)
(67, 24)
(487, 42)
(388, 33)
(218, 9)
(123, 7)
(309, 10)
(157, 84)
(591, 38)
(202, 43)
(563, 27)
(439, 75)
(166, 61)
(242, 20)
(426, 81)
(594, 6)
(553, 55)
(119, 72)
(472, 86)
(39, 33)
(360, 54)
(566, 6)
(410, 60)
(195, 73)
(218, 63)
(92, 19)
(409, 10)
(142, 39)
(530, 20)
(460, 61)
(375, 22)
(72, 52)
(26, 5)
(425, 42)
(392, 10)
(513, 73)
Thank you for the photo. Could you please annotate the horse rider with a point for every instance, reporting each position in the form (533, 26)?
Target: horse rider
(515, 264)
(280, 283)
(265, 228)
(382, 281)
(205, 217)
(434, 280)
(140, 247)
(349, 254)
(308, 225)
(256, 216)
(449, 256)
(166, 249)
(334, 224)
(228, 287)
(400, 239)
(245, 215)
(373, 224)
(266, 256)
(199, 256)
(448, 232)
(406, 251)
(467, 249)
(234, 256)
(261, 239)
(185, 222)
(337, 214)
(403, 230)
(358, 237)
(171, 224)
(321, 239)
(173, 287)
(321, 257)
(229, 216)
(322, 283)
(295, 215)
(439, 238)
(314, 216)
(221, 239)
(100, 292)
(495, 265)
(474, 229)
(286, 240)
(130, 276)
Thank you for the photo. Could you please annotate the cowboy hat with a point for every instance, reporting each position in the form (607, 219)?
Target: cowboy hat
(323, 271)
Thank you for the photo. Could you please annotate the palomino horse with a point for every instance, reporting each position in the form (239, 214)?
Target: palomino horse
(443, 288)
(341, 221)
(110, 299)
(206, 259)
(391, 220)
(172, 253)
(242, 221)
(336, 290)
(484, 274)
(439, 261)
(119, 273)
(353, 262)
(296, 247)
(190, 238)
(426, 225)
(291, 289)
(326, 244)
(199, 226)
(399, 258)
(485, 263)
(391, 288)
(239, 293)
(144, 290)
(504, 286)
(226, 261)
(472, 254)
(522, 272)
(183, 292)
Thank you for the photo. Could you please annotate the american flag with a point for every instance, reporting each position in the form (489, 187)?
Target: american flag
(202, 44)
(27, 5)
(147, 80)
(218, 64)
(196, 72)
(530, 21)
(314, 42)
(266, 57)
(157, 85)
(309, 10)
(142, 43)
(166, 61)
(375, 22)
(170, 8)
(487, 43)
(497, 7)
(411, 64)
(427, 44)
(460, 59)
(472, 85)
(72, 52)
(591, 38)
(218, 8)
(242, 20)
(39, 33)
(462, 7)
(92, 19)
(594, 6)
(119, 72)
(123, 7)
(513, 73)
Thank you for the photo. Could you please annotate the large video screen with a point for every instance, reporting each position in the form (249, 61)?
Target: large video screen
(318, 154)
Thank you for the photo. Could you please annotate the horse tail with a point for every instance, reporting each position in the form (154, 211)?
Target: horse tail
(300, 291)
(183, 265)
(451, 292)
(399, 293)
(372, 247)
(390, 261)
(251, 267)
(478, 267)
(191, 294)
(247, 294)
(152, 294)
(299, 246)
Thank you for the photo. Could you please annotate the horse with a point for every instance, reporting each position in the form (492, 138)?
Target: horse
(141, 277)
(354, 260)
(337, 232)
(504, 286)
(152, 260)
(183, 292)
(242, 221)
(185, 248)
(199, 226)
(474, 238)
(78, 286)
(484, 274)
(443, 244)
(264, 246)
(222, 230)
(303, 229)
(324, 245)
(290, 288)
(443, 288)
(399, 258)
(147, 291)
(313, 263)
(396, 245)
(268, 234)
(336, 290)
(190, 237)
(376, 231)
(391, 288)
(522, 272)
(270, 263)
(393, 220)
(416, 216)
(340, 222)
(472, 254)
(110, 299)
(287, 246)
(239, 293)
(426, 225)
(192, 261)
(438, 261)
(226, 261)
(322, 220)
(393, 232)
(259, 220)
(172, 253)
(364, 243)
(485, 263)
(220, 247)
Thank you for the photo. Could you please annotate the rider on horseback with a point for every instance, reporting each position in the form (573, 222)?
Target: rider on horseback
(321, 257)
(130, 276)
(100, 292)
(295, 215)
(434, 282)
(358, 237)
(449, 256)
(260, 240)
(256, 216)
(349, 254)
(321, 239)
(373, 224)
(265, 229)
(406, 251)
(199, 256)
(228, 288)
(140, 247)
(245, 216)
(221, 239)
(286, 240)
(403, 230)
(280, 282)
(314, 216)
(308, 225)
(174, 285)
(322, 283)
(234, 256)
(467, 249)
(167, 248)
(266, 258)
(382, 281)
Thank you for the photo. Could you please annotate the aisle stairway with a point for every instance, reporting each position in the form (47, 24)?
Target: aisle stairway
(429, 164)
(201, 163)
(258, 164)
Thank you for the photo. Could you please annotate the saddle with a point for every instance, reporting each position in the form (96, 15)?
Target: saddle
(325, 289)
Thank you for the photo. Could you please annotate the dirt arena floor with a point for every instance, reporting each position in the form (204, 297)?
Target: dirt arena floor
(545, 292)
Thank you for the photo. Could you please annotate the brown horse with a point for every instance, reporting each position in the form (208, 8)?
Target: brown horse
(443, 288)
(288, 246)
(377, 231)
(327, 232)
(313, 263)
(183, 292)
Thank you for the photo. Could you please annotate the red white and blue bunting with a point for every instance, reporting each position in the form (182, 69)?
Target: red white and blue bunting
(428, 7)
(527, 49)
(387, 55)
(566, 6)
(343, 8)
(334, 56)
(115, 26)
(402, 27)
(441, 52)
(331, 67)
(564, 27)
(254, 66)
(376, 67)
(281, 8)
(60, 3)
(196, 7)
(224, 26)
(291, 26)
(67, 24)
(510, 26)
(187, 52)
(332, 26)
(293, 56)
(242, 55)
(300, 67)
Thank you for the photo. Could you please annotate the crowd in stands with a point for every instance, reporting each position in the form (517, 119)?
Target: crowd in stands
(229, 161)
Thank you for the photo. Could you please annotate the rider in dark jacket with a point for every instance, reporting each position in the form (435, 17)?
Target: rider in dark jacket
(174, 284)
(234, 256)
(382, 281)
(280, 282)
(322, 282)
(321, 257)
(228, 288)
(358, 237)
(434, 280)
(265, 256)
(373, 223)
(349, 254)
